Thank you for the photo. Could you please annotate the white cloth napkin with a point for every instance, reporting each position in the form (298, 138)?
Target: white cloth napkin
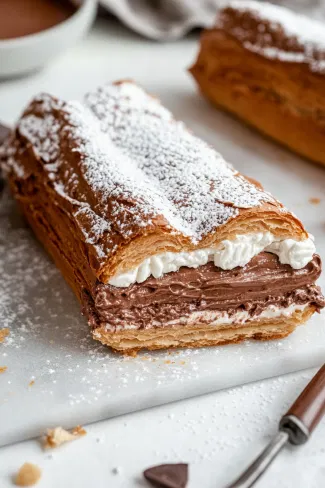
(172, 19)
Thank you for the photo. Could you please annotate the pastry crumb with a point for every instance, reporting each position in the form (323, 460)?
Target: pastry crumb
(130, 354)
(28, 475)
(3, 334)
(79, 431)
(31, 383)
(58, 436)
(3, 369)
(314, 201)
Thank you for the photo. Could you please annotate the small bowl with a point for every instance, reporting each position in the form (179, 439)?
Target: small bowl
(22, 55)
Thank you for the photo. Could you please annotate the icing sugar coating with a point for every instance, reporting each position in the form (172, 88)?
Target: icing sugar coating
(275, 32)
(123, 162)
(188, 182)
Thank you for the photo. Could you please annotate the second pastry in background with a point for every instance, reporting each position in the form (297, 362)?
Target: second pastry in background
(266, 65)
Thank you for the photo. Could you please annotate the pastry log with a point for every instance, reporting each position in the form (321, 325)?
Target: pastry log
(164, 243)
(266, 65)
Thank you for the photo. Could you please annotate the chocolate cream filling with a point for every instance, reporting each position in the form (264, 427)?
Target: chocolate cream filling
(264, 281)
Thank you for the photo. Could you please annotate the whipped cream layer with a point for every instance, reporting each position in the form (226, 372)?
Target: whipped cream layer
(228, 255)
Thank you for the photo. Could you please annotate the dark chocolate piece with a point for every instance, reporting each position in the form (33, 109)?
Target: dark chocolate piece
(168, 475)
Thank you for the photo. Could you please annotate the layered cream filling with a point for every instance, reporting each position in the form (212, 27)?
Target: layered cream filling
(228, 255)
(219, 318)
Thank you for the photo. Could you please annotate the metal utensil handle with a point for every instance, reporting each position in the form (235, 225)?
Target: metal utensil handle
(257, 468)
(304, 415)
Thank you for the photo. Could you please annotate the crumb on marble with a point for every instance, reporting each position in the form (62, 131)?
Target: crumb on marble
(58, 436)
(314, 201)
(3, 334)
(3, 369)
(28, 475)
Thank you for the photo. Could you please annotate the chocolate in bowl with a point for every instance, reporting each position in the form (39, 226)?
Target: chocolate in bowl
(32, 32)
(19, 18)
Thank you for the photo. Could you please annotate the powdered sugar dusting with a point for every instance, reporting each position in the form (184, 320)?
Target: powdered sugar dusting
(191, 179)
(43, 134)
(86, 219)
(123, 163)
(304, 38)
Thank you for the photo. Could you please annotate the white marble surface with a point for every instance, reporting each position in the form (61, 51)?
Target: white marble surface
(218, 433)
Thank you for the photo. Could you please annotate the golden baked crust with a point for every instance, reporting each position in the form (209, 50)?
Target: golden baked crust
(251, 66)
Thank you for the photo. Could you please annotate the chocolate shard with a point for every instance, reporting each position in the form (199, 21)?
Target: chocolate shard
(168, 475)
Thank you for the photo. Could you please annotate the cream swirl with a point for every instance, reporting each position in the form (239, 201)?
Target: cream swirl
(295, 253)
(228, 255)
